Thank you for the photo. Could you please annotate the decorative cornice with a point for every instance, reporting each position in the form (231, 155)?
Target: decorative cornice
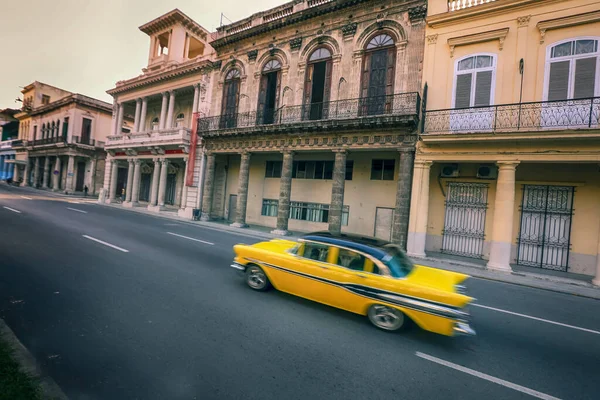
(498, 34)
(432, 39)
(349, 30)
(417, 14)
(523, 21)
(565, 22)
(77, 99)
(171, 18)
(296, 43)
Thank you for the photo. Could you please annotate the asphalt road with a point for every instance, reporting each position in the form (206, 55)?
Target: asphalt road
(161, 316)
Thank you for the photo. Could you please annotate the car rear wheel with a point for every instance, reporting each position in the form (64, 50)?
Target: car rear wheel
(386, 318)
(256, 278)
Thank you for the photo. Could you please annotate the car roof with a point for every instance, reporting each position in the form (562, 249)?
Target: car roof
(369, 245)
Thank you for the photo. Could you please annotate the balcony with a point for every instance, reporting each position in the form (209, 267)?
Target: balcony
(172, 136)
(87, 141)
(547, 117)
(48, 140)
(364, 113)
(462, 4)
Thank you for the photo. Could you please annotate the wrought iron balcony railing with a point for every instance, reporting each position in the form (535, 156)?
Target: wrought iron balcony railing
(402, 104)
(83, 140)
(48, 140)
(521, 117)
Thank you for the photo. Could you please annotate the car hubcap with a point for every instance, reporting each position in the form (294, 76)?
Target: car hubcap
(386, 318)
(256, 278)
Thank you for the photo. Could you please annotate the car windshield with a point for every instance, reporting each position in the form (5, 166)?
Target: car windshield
(398, 263)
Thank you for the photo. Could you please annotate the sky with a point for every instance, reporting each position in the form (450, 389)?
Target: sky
(86, 46)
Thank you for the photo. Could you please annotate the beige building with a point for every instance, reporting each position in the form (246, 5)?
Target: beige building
(61, 140)
(507, 168)
(153, 162)
(313, 118)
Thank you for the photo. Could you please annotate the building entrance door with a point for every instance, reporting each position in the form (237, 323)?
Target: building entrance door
(545, 235)
(232, 208)
(464, 225)
(383, 223)
(170, 193)
(80, 177)
(145, 184)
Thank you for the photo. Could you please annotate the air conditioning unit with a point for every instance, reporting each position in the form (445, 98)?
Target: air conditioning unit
(487, 171)
(449, 171)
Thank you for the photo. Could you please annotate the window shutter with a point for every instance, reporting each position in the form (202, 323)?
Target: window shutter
(262, 95)
(327, 88)
(310, 69)
(558, 83)
(585, 78)
(389, 79)
(462, 97)
(365, 76)
(483, 89)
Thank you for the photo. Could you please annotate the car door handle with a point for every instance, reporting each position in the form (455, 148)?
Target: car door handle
(361, 276)
(324, 267)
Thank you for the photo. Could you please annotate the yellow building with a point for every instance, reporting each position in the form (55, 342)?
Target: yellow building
(507, 168)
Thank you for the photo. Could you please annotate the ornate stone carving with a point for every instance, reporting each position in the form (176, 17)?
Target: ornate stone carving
(349, 29)
(217, 64)
(417, 14)
(432, 39)
(523, 21)
(296, 43)
(252, 54)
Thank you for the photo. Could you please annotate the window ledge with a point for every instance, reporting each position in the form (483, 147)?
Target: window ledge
(565, 22)
(499, 34)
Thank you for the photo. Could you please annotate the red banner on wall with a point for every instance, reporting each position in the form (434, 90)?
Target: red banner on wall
(192, 154)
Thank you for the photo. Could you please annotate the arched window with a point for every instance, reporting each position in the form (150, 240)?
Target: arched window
(317, 84)
(378, 72)
(474, 81)
(231, 99)
(572, 69)
(179, 120)
(268, 94)
(155, 123)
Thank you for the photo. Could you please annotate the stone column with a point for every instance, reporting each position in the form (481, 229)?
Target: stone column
(93, 165)
(285, 190)
(112, 189)
(163, 110)
(209, 185)
(137, 174)
(402, 209)
(337, 192)
(56, 177)
(142, 126)
(120, 119)
(46, 172)
(130, 170)
(184, 187)
(419, 212)
(36, 172)
(27, 173)
(169, 124)
(155, 180)
(115, 118)
(196, 99)
(17, 173)
(70, 184)
(504, 208)
(136, 120)
(162, 186)
(242, 194)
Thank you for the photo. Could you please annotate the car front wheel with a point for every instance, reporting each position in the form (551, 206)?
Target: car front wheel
(256, 278)
(386, 318)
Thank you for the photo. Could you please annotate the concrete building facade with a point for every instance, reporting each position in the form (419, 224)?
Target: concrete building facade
(313, 118)
(9, 131)
(149, 161)
(507, 168)
(61, 140)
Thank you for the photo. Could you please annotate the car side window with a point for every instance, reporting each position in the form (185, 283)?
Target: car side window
(371, 267)
(351, 260)
(315, 251)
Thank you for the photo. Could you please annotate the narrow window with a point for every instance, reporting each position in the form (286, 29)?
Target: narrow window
(474, 79)
(268, 94)
(65, 128)
(377, 80)
(231, 99)
(86, 131)
(349, 169)
(317, 85)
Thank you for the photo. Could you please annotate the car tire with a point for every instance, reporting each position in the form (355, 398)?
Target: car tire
(387, 318)
(256, 278)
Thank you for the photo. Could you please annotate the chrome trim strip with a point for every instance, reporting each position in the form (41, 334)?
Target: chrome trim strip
(463, 329)
(238, 266)
(413, 303)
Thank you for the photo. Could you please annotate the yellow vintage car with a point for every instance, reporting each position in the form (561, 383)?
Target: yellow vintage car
(362, 275)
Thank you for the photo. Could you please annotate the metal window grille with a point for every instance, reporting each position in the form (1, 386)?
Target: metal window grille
(269, 207)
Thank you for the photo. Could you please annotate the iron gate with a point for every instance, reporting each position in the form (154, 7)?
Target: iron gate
(464, 225)
(545, 234)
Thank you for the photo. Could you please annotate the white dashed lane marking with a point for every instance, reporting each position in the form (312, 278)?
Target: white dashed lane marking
(190, 238)
(106, 244)
(12, 209)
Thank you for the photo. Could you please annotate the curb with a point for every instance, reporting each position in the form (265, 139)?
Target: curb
(571, 287)
(28, 364)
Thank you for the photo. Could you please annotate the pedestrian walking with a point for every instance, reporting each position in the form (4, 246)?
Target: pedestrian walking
(85, 191)
(123, 195)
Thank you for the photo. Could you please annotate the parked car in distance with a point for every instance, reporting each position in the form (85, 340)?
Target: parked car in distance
(363, 275)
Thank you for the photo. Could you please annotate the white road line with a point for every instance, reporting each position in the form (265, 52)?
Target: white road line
(12, 209)
(25, 197)
(537, 319)
(486, 377)
(106, 244)
(74, 209)
(189, 238)
(74, 202)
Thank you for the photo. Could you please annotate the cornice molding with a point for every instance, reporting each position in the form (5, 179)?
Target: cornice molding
(565, 22)
(498, 34)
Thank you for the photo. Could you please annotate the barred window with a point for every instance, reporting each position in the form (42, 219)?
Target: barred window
(269, 207)
(273, 169)
(314, 212)
(382, 170)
